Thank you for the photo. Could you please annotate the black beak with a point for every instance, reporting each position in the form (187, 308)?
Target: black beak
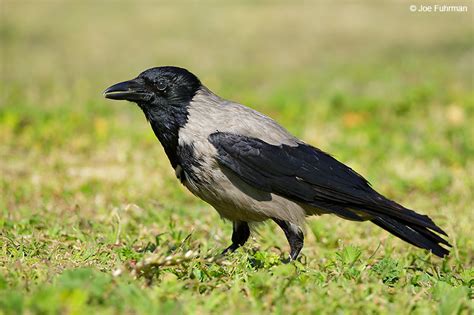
(131, 90)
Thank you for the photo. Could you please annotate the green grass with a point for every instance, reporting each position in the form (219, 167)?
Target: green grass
(92, 219)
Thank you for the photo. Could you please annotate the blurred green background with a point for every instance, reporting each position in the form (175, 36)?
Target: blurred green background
(89, 205)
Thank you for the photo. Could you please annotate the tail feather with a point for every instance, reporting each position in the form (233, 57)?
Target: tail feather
(396, 211)
(415, 234)
(430, 235)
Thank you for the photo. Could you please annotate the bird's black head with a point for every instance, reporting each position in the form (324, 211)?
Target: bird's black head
(157, 88)
(164, 94)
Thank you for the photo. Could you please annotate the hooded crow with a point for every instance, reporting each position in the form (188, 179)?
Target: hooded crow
(251, 169)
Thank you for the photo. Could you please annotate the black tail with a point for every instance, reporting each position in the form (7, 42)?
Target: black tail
(416, 234)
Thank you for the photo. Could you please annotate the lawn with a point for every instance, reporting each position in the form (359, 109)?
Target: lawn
(93, 220)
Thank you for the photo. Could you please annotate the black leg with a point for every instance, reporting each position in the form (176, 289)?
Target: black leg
(240, 235)
(294, 235)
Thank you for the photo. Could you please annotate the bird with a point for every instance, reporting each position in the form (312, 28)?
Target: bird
(251, 169)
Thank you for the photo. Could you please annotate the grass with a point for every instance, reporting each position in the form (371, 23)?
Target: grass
(93, 220)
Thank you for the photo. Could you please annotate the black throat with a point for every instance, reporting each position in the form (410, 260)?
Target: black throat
(166, 123)
(167, 111)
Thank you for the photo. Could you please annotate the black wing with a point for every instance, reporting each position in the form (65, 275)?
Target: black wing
(308, 175)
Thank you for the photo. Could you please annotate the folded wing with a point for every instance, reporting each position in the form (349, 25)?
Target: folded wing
(308, 175)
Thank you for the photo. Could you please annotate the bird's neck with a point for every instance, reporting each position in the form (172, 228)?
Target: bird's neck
(166, 124)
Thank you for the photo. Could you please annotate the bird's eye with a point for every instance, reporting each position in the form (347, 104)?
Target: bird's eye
(161, 85)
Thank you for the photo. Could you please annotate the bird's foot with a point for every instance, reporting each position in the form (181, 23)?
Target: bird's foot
(294, 236)
(230, 249)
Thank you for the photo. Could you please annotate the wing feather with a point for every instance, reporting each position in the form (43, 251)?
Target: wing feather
(308, 175)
